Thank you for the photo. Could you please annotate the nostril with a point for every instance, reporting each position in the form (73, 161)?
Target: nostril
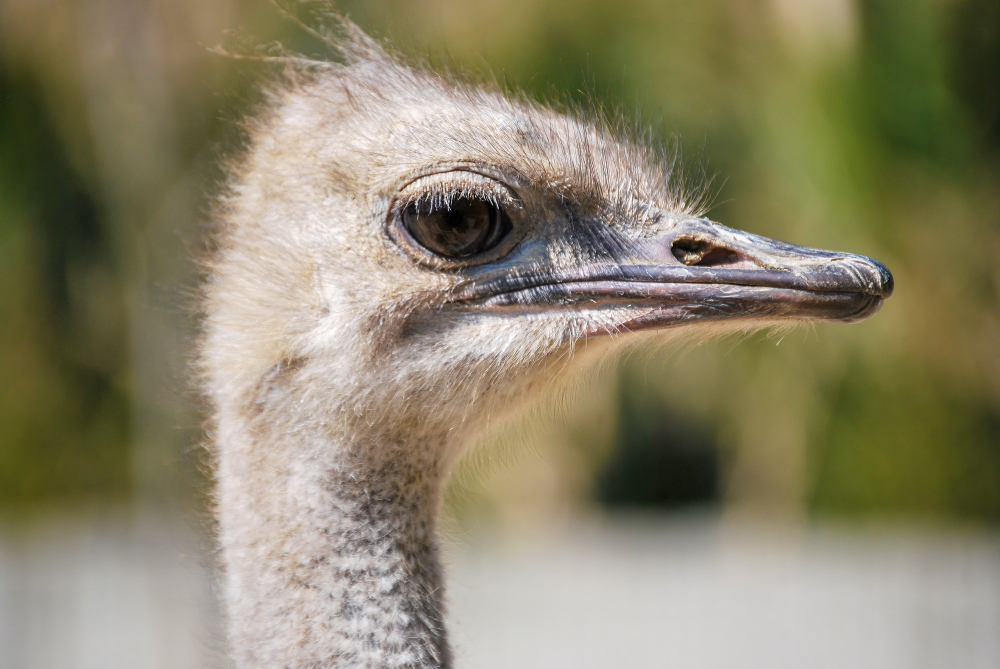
(699, 252)
(689, 251)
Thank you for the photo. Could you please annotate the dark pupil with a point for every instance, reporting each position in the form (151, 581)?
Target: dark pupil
(463, 229)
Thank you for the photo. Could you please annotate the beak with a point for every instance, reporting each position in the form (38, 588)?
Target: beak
(701, 271)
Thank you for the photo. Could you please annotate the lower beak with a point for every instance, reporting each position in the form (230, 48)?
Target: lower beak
(703, 271)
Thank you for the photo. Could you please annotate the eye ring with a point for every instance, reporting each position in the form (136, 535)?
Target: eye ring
(456, 229)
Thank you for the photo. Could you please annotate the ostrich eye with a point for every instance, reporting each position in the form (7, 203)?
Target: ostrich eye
(463, 228)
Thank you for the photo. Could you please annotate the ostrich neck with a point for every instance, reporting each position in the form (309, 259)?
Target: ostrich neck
(331, 559)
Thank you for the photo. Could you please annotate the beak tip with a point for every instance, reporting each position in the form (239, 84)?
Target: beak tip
(884, 283)
(888, 281)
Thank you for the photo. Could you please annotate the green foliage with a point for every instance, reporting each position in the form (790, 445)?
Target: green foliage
(870, 126)
(901, 443)
(63, 418)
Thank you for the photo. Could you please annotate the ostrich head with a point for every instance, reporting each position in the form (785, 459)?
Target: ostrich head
(405, 260)
(436, 251)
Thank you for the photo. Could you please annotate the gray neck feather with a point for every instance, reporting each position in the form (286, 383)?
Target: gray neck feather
(331, 559)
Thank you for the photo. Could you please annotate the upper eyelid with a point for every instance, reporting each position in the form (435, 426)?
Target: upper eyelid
(441, 188)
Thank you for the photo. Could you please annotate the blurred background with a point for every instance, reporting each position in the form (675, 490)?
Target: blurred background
(830, 497)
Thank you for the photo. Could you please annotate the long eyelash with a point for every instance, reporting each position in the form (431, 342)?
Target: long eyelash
(441, 194)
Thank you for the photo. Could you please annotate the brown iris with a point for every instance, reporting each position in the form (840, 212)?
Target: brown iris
(459, 229)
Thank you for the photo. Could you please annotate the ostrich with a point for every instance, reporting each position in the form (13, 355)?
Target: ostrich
(404, 261)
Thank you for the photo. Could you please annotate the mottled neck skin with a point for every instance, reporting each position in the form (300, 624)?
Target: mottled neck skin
(330, 553)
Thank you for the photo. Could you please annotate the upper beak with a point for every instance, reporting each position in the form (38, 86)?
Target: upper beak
(702, 271)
